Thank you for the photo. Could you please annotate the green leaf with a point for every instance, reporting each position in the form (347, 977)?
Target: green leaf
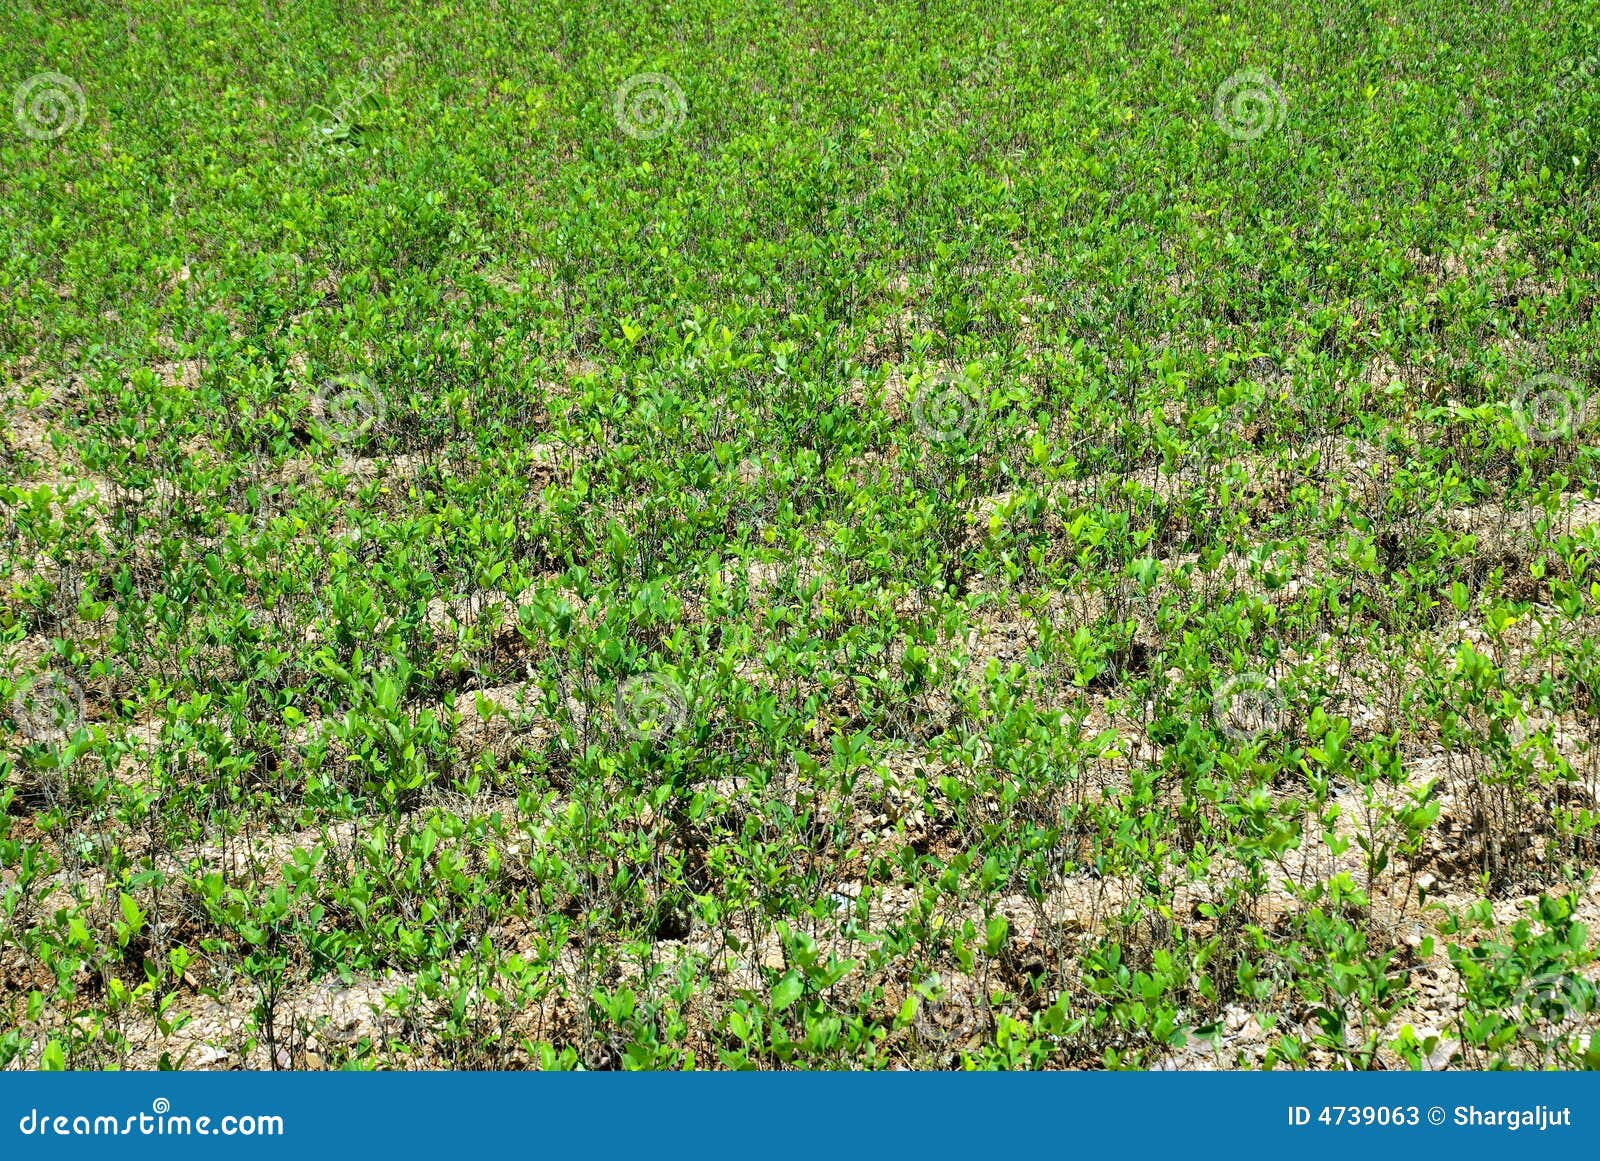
(787, 990)
(131, 912)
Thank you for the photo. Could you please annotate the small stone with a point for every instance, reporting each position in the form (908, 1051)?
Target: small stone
(1439, 1059)
(206, 1056)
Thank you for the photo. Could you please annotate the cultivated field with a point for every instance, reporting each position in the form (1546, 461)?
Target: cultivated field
(587, 535)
